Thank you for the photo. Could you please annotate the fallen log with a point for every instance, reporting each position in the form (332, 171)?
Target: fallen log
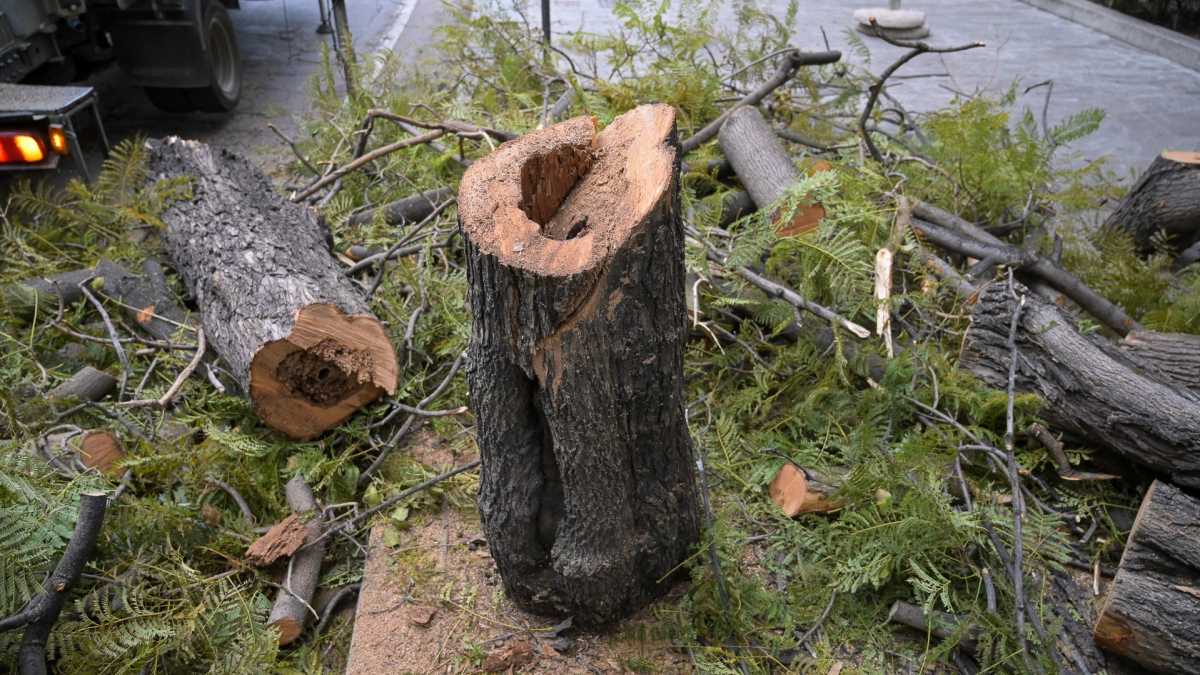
(274, 303)
(293, 603)
(145, 297)
(1172, 357)
(1089, 390)
(1166, 200)
(45, 293)
(408, 210)
(575, 281)
(87, 384)
(1152, 613)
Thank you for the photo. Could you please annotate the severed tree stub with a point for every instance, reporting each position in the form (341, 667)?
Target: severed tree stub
(1165, 201)
(575, 271)
(1152, 613)
(295, 332)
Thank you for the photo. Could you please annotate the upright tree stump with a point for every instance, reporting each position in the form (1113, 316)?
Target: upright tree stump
(575, 266)
(294, 330)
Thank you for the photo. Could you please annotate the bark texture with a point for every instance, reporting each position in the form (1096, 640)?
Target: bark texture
(1172, 357)
(274, 304)
(408, 210)
(1090, 390)
(87, 384)
(146, 297)
(1166, 198)
(1152, 613)
(575, 271)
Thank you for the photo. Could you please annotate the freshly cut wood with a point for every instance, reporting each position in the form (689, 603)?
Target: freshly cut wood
(100, 449)
(408, 210)
(292, 608)
(281, 541)
(796, 492)
(575, 281)
(294, 331)
(1152, 613)
(1089, 389)
(765, 168)
(1172, 357)
(1165, 199)
(87, 384)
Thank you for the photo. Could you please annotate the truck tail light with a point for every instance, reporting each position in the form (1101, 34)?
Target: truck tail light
(58, 140)
(20, 147)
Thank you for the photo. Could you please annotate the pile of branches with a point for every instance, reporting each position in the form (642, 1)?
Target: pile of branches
(957, 290)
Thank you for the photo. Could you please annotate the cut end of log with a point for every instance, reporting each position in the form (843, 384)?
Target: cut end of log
(289, 630)
(1182, 156)
(100, 450)
(795, 494)
(329, 366)
(806, 217)
(559, 200)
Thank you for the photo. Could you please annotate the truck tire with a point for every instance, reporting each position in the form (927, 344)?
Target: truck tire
(224, 60)
(224, 64)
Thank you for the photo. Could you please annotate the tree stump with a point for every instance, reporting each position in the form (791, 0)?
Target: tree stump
(575, 272)
(1152, 613)
(295, 332)
(1166, 198)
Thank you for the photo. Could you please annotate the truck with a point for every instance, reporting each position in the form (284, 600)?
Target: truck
(184, 53)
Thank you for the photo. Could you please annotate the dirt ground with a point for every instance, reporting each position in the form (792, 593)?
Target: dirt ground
(433, 602)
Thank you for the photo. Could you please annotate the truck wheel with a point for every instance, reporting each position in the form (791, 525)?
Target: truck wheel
(170, 100)
(224, 61)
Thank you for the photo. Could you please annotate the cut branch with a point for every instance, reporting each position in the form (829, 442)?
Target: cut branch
(1164, 203)
(293, 604)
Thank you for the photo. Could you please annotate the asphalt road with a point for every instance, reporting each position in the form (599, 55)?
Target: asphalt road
(281, 52)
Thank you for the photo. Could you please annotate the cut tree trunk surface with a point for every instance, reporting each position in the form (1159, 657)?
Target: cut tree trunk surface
(1165, 199)
(295, 332)
(575, 270)
(1090, 391)
(1152, 613)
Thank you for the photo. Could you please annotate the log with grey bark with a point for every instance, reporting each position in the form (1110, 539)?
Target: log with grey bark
(274, 303)
(87, 384)
(1164, 203)
(1090, 389)
(408, 210)
(1152, 613)
(45, 294)
(1171, 357)
(575, 273)
(146, 298)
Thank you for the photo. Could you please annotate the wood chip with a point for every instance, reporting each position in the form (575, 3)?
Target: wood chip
(100, 450)
(511, 656)
(795, 494)
(282, 540)
(421, 615)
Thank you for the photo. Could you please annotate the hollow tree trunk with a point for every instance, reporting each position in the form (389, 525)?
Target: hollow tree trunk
(274, 304)
(1165, 199)
(1152, 613)
(1090, 390)
(575, 271)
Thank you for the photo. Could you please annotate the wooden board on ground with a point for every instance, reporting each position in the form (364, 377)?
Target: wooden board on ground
(434, 604)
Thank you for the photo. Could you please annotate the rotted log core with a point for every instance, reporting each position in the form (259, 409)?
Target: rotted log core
(575, 271)
(295, 332)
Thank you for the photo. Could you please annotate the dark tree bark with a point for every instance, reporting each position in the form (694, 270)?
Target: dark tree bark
(575, 270)
(41, 612)
(1166, 198)
(1090, 390)
(45, 293)
(88, 384)
(294, 331)
(1152, 613)
(408, 210)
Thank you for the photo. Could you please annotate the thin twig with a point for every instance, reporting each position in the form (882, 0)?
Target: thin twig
(164, 401)
(366, 159)
(1014, 477)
